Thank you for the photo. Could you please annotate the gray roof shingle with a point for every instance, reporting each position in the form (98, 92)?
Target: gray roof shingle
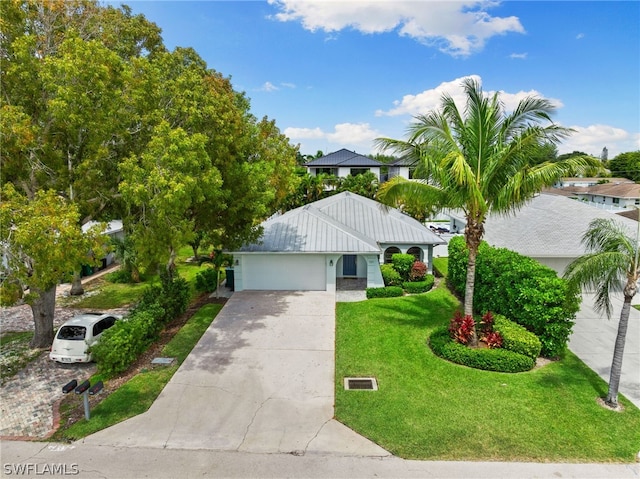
(343, 157)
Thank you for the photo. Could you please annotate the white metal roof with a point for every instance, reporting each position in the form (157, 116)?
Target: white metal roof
(342, 223)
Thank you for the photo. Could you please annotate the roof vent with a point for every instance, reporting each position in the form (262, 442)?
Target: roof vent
(362, 384)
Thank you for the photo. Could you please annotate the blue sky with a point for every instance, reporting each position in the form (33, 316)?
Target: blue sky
(338, 74)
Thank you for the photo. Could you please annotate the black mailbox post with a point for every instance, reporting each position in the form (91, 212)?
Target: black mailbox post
(85, 389)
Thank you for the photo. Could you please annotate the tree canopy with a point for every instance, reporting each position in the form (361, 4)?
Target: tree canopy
(94, 107)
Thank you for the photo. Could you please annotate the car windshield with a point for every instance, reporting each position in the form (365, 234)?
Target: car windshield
(72, 333)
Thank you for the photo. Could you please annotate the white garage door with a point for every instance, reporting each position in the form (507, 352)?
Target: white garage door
(284, 272)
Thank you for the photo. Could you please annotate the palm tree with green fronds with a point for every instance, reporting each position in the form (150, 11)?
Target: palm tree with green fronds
(477, 160)
(611, 264)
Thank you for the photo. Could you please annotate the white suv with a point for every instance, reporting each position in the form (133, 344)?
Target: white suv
(75, 336)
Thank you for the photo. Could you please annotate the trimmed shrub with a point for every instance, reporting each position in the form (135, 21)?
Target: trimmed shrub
(418, 271)
(516, 338)
(207, 280)
(386, 292)
(500, 360)
(403, 263)
(121, 345)
(390, 276)
(519, 288)
(416, 287)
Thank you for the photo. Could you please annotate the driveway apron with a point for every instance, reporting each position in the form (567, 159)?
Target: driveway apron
(261, 379)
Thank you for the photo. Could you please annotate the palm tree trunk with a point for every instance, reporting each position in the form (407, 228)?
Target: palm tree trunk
(618, 351)
(473, 236)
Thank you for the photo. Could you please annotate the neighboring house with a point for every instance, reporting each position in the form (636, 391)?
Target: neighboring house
(614, 194)
(114, 229)
(549, 229)
(343, 163)
(342, 236)
(402, 167)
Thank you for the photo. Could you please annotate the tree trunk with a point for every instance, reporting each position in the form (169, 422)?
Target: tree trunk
(43, 308)
(76, 285)
(618, 351)
(473, 236)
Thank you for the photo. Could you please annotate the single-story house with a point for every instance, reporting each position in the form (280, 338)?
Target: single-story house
(342, 236)
(343, 163)
(606, 193)
(549, 229)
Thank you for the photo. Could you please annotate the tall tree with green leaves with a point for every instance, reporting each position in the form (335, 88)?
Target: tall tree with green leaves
(626, 165)
(42, 242)
(477, 160)
(170, 178)
(611, 264)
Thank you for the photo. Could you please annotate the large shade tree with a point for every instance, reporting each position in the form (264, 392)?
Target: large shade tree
(477, 160)
(611, 264)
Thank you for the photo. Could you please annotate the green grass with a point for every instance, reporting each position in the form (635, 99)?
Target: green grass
(116, 295)
(428, 408)
(442, 265)
(137, 395)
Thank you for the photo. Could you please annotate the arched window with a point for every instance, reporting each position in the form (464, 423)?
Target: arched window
(416, 252)
(389, 252)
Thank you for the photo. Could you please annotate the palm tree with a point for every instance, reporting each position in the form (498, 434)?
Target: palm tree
(610, 264)
(478, 161)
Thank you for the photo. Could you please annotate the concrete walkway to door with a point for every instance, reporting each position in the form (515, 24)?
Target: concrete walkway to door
(261, 380)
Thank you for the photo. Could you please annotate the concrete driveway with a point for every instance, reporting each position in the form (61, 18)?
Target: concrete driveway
(593, 340)
(261, 379)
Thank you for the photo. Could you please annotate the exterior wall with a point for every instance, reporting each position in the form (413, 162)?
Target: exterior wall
(556, 264)
(374, 275)
(301, 272)
(345, 171)
(426, 256)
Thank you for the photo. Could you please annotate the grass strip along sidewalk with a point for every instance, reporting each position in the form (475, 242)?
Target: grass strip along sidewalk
(136, 395)
(428, 408)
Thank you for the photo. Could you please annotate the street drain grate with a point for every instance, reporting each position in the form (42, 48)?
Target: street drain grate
(361, 384)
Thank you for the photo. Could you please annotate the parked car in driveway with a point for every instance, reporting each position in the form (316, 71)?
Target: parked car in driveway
(74, 338)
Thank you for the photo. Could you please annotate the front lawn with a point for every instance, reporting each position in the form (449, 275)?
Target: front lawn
(428, 408)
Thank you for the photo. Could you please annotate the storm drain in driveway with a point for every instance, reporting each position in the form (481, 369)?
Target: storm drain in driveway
(369, 384)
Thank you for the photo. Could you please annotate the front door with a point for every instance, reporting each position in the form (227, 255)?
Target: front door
(349, 265)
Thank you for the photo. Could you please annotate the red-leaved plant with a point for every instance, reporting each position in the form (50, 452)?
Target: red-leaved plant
(486, 325)
(418, 271)
(493, 339)
(461, 327)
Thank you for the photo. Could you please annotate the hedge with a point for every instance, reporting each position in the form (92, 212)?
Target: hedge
(390, 276)
(416, 287)
(519, 288)
(516, 338)
(403, 263)
(386, 292)
(499, 360)
(121, 345)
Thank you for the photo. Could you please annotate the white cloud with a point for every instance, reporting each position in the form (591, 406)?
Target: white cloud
(269, 87)
(304, 133)
(288, 85)
(352, 133)
(518, 56)
(591, 139)
(580, 36)
(456, 28)
(431, 99)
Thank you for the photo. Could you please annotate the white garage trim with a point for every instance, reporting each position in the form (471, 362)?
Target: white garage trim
(302, 272)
